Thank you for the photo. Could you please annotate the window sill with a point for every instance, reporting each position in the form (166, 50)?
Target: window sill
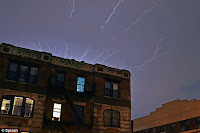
(14, 81)
(15, 119)
(112, 97)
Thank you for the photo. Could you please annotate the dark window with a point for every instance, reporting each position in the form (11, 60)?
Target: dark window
(146, 131)
(111, 89)
(197, 122)
(80, 84)
(185, 125)
(18, 106)
(154, 130)
(60, 80)
(162, 128)
(172, 128)
(23, 73)
(12, 73)
(111, 118)
(79, 119)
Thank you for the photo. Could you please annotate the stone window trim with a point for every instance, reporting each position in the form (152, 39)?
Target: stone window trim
(111, 118)
(29, 77)
(109, 92)
(24, 106)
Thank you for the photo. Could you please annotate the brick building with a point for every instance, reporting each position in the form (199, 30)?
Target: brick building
(43, 93)
(173, 117)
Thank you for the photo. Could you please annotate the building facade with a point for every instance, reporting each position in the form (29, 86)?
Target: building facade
(40, 92)
(179, 116)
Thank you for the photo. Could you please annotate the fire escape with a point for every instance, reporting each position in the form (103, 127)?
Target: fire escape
(89, 89)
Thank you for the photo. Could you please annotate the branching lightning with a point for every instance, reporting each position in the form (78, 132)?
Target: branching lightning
(66, 49)
(114, 9)
(72, 11)
(150, 60)
(155, 3)
(83, 55)
(109, 55)
(38, 47)
(98, 57)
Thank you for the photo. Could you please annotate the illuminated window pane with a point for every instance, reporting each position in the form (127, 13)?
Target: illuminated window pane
(80, 84)
(28, 107)
(5, 107)
(56, 112)
(17, 106)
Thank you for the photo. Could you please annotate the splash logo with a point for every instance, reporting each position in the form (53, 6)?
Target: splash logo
(9, 130)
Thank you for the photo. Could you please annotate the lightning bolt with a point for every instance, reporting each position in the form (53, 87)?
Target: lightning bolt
(83, 55)
(150, 60)
(38, 47)
(124, 65)
(66, 49)
(47, 44)
(155, 3)
(109, 55)
(72, 11)
(98, 57)
(109, 17)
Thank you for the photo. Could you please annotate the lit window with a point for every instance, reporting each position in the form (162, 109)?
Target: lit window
(18, 106)
(79, 119)
(28, 107)
(60, 80)
(5, 107)
(56, 112)
(80, 84)
(23, 73)
(111, 89)
(111, 118)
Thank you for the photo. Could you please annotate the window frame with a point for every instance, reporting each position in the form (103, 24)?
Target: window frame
(18, 72)
(111, 118)
(56, 118)
(76, 122)
(111, 88)
(60, 72)
(81, 84)
(22, 111)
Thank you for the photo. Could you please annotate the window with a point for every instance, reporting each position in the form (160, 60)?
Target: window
(23, 73)
(5, 107)
(154, 130)
(197, 122)
(162, 128)
(17, 106)
(172, 128)
(146, 131)
(56, 112)
(185, 125)
(111, 118)
(79, 119)
(60, 80)
(111, 89)
(80, 84)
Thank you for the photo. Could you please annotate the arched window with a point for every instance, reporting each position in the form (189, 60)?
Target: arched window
(17, 106)
(111, 118)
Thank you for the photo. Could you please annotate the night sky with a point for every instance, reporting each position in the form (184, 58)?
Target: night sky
(158, 41)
